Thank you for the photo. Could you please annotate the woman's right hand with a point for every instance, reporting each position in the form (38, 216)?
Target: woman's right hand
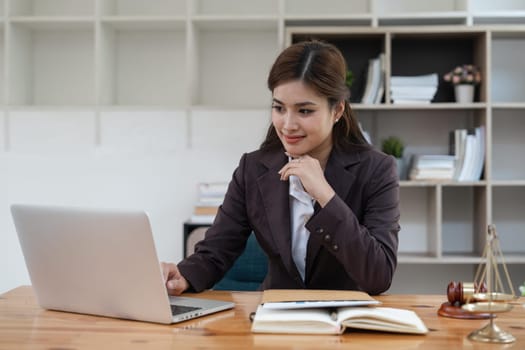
(174, 281)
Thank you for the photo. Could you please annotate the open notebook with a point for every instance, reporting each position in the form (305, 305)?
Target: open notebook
(100, 262)
(329, 312)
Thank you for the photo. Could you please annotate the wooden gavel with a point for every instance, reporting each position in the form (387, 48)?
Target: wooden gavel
(458, 293)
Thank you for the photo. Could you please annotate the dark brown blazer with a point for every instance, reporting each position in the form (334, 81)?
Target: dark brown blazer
(353, 239)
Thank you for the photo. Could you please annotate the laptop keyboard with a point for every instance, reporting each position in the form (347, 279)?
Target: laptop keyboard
(180, 309)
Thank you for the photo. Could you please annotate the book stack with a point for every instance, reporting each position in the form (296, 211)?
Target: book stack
(211, 196)
(432, 167)
(375, 81)
(419, 89)
(468, 148)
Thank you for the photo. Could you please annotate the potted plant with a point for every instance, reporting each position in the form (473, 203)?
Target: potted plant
(393, 146)
(464, 78)
(349, 78)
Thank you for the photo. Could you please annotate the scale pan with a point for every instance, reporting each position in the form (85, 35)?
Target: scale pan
(487, 306)
(493, 296)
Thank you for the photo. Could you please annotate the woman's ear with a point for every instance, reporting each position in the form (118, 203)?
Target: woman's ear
(338, 110)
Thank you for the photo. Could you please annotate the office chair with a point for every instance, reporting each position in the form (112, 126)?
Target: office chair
(248, 271)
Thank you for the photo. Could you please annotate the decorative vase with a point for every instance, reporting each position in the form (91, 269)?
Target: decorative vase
(464, 93)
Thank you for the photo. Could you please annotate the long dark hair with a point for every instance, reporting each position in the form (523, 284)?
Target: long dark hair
(322, 67)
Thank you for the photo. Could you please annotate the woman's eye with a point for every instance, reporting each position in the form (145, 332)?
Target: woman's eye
(305, 111)
(277, 108)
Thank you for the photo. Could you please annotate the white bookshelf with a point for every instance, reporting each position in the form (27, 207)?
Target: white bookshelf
(188, 63)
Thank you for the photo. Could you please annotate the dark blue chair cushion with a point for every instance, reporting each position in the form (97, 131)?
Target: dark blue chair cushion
(248, 271)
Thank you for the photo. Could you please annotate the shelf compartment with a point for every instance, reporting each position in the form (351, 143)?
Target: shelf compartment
(423, 132)
(3, 132)
(225, 73)
(51, 66)
(150, 8)
(2, 71)
(326, 8)
(508, 208)
(414, 12)
(464, 218)
(145, 131)
(52, 8)
(423, 107)
(438, 53)
(499, 17)
(54, 23)
(420, 221)
(251, 23)
(231, 128)
(142, 67)
(508, 128)
(357, 49)
(235, 7)
(507, 83)
(423, 19)
(144, 23)
(340, 20)
(417, 6)
(497, 6)
(52, 131)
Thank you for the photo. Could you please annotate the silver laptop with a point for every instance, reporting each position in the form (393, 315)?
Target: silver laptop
(100, 262)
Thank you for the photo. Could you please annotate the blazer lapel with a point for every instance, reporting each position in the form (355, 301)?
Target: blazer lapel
(339, 175)
(275, 198)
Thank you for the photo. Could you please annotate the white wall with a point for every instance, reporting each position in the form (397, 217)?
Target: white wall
(151, 160)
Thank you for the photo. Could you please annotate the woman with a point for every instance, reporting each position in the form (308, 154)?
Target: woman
(323, 204)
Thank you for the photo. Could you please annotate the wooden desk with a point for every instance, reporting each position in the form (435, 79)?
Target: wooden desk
(24, 325)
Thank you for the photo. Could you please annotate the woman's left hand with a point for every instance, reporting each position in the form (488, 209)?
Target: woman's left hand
(309, 171)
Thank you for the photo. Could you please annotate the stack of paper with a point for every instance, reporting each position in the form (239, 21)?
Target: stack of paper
(413, 89)
(432, 167)
(211, 196)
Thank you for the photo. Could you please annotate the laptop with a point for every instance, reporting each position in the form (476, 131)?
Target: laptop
(100, 262)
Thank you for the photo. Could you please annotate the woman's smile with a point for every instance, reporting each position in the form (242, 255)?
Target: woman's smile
(293, 139)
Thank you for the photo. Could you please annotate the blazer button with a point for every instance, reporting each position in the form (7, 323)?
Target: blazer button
(319, 230)
(327, 238)
(335, 247)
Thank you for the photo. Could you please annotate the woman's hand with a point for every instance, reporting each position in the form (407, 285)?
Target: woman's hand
(309, 171)
(174, 281)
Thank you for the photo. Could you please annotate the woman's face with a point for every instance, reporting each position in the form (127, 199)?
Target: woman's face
(304, 120)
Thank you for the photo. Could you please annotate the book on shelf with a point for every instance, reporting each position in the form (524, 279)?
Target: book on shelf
(206, 209)
(202, 219)
(375, 80)
(457, 143)
(330, 312)
(468, 146)
(378, 94)
(212, 189)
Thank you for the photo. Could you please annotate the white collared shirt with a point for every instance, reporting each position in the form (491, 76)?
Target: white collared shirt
(301, 209)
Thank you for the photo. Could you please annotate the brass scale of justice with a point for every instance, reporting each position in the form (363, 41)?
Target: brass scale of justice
(485, 297)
